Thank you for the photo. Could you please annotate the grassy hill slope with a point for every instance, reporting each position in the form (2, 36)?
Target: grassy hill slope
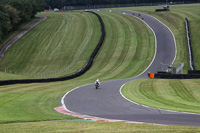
(125, 53)
(175, 20)
(60, 45)
(178, 95)
(35, 102)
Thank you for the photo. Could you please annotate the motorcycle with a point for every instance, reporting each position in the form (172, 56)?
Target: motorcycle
(96, 85)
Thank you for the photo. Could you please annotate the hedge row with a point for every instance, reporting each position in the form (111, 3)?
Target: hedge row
(72, 76)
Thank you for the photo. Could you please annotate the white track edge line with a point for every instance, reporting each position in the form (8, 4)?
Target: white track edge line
(155, 48)
(149, 66)
(62, 100)
(109, 120)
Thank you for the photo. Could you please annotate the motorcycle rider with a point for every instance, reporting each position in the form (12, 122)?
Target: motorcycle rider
(97, 82)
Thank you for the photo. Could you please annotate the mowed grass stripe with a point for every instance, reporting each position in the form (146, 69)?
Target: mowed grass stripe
(7, 76)
(85, 41)
(56, 50)
(181, 90)
(31, 48)
(117, 54)
(36, 102)
(192, 13)
(103, 61)
(125, 35)
(109, 45)
(42, 106)
(90, 41)
(111, 50)
(143, 50)
(157, 97)
(92, 127)
(51, 46)
(125, 42)
(175, 20)
(177, 95)
(135, 43)
(15, 105)
(177, 25)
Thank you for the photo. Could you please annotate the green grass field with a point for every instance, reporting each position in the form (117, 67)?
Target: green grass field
(16, 31)
(177, 95)
(38, 54)
(92, 127)
(36, 102)
(126, 52)
(179, 102)
(54, 47)
(175, 20)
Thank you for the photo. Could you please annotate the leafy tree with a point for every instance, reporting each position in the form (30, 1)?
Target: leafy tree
(40, 5)
(15, 12)
(5, 22)
(61, 3)
(13, 15)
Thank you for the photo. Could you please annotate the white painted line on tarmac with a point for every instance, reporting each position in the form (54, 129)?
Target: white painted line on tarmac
(112, 120)
(171, 33)
(149, 66)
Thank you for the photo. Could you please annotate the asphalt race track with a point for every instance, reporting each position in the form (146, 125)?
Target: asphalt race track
(107, 101)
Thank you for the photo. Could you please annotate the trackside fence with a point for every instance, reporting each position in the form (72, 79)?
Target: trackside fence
(118, 5)
(192, 74)
(189, 42)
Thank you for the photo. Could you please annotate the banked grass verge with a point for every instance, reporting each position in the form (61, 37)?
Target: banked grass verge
(175, 20)
(48, 96)
(52, 46)
(174, 94)
(36, 102)
(92, 127)
(70, 76)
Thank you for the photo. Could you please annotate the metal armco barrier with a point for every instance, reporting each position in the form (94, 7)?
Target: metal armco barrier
(192, 74)
(191, 56)
(72, 76)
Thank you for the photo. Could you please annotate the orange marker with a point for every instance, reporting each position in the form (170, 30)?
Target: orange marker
(151, 76)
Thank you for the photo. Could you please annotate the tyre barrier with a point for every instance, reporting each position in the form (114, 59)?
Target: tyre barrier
(192, 74)
(164, 75)
(189, 42)
(161, 10)
(165, 8)
(72, 76)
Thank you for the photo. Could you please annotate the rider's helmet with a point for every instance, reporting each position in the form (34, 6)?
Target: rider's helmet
(97, 81)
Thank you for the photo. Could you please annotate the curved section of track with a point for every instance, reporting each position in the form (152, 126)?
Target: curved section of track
(108, 103)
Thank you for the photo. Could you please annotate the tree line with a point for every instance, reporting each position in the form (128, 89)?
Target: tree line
(61, 3)
(15, 12)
